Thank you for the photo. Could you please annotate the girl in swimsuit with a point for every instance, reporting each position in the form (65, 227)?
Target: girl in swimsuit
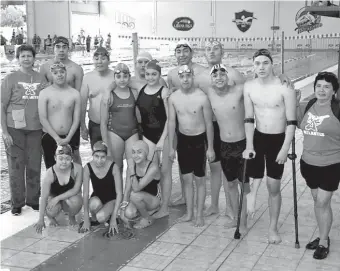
(61, 189)
(152, 103)
(107, 189)
(118, 116)
(141, 193)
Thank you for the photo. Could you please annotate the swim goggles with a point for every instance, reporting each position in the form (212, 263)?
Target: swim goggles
(218, 67)
(263, 52)
(212, 43)
(121, 71)
(184, 69)
(57, 65)
(64, 149)
(185, 45)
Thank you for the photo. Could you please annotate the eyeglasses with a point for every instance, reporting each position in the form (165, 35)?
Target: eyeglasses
(121, 71)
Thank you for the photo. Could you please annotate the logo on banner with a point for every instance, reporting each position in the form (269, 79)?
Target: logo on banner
(183, 24)
(306, 21)
(244, 20)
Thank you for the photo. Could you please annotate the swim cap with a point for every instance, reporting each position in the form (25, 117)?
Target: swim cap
(121, 67)
(99, 146)
(64, 149)
(263, 52)
(141, 145)
(57, 65)
(153, 64)
(61, 39)
(183, 43)
(212, 43)
(185, 69)
(144, 55)
(101, 51)
(218, 67)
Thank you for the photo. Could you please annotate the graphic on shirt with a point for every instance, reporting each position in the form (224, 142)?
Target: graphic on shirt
(30, 89)
(313, 122)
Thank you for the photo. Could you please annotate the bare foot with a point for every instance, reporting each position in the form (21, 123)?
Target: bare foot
(72, 221)
(161, 213)
(185, 218)
(143, 223)
(231, 224)
(229, 214)
(211, 210)
(53, 222)
(199, 221)
(178, 202)
(243, 229)
(251, 204)
(274, 237)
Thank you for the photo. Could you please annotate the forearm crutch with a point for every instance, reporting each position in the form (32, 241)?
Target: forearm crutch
(292, 156)
(237, 234)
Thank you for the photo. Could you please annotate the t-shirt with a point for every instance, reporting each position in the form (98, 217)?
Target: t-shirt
(21, 91)
(321, 130)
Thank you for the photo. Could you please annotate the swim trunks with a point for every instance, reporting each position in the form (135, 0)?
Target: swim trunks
(232, 161)
(122, 116)
(191, 152)
(153, 114)
(217, 142)
(267, 147)
(49, 146)
(76, 139)
(94, 132)
(103, 188)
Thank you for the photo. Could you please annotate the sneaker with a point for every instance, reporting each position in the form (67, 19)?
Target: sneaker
(321, 253)
(315, 243)
(35, 207)
(16, 211)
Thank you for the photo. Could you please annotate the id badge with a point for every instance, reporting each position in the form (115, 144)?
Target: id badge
(19, 118)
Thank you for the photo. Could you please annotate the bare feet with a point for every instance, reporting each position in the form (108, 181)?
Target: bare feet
(143, 223)
(231, 224)
(185, 218)
(72, 220)
(251, 204)
(274, 237)
(161, 213)
(53, 222)
(211, 210)
(243, 229)
(199, 221)
(178, 202)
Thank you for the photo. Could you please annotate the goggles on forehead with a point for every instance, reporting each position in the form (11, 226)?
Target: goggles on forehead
(57, 66)
(213, 43)
(182, 45)
(64, 149)
(121, 71)
(218, 67)
(184, 70)
(263, 52)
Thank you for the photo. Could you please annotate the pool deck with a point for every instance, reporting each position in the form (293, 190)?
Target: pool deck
(168, 245)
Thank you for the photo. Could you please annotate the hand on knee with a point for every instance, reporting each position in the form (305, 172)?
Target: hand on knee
(54, 211)
(95, 204)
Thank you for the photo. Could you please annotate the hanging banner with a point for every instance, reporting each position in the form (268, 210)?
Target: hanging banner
(183, 24)
(306, 21)
(244, 20)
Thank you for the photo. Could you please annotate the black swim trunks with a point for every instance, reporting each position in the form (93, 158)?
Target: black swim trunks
(217, 142)
(76, 139)
(49, 146)
(191, 152)
(94, 132)
(267, 147)
(231, 160)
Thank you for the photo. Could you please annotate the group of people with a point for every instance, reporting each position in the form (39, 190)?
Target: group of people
(200, 113)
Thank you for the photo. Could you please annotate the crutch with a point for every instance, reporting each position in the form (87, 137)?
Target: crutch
(237, 234)
(292, 156)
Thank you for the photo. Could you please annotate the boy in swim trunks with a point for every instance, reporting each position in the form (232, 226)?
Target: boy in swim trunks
(142, 188)
(192, 109)
(60, 189)
(274, 108)
(59, 113)
(107, 187)
(74, 79)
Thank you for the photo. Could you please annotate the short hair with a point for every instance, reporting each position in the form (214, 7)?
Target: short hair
(328, 77)
(25, 47)
(263, 52)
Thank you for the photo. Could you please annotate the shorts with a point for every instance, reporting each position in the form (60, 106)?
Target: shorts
(267, 147)
(217, 142)
(76, 139)
(232, 161)
(49, 146)
(326, 178)
(191, 152)
(94, 132)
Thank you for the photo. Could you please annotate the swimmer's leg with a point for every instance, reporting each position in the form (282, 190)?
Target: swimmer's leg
(106, 211)
(130, 212)
(53, 213)
(128, 148)
(201, 193)
(274, 202)
(117, 148)
(189, 197)
(234, 199)
(181, 200)
(73, 206)
(216, 182)
(95, 205)
(228, 210)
